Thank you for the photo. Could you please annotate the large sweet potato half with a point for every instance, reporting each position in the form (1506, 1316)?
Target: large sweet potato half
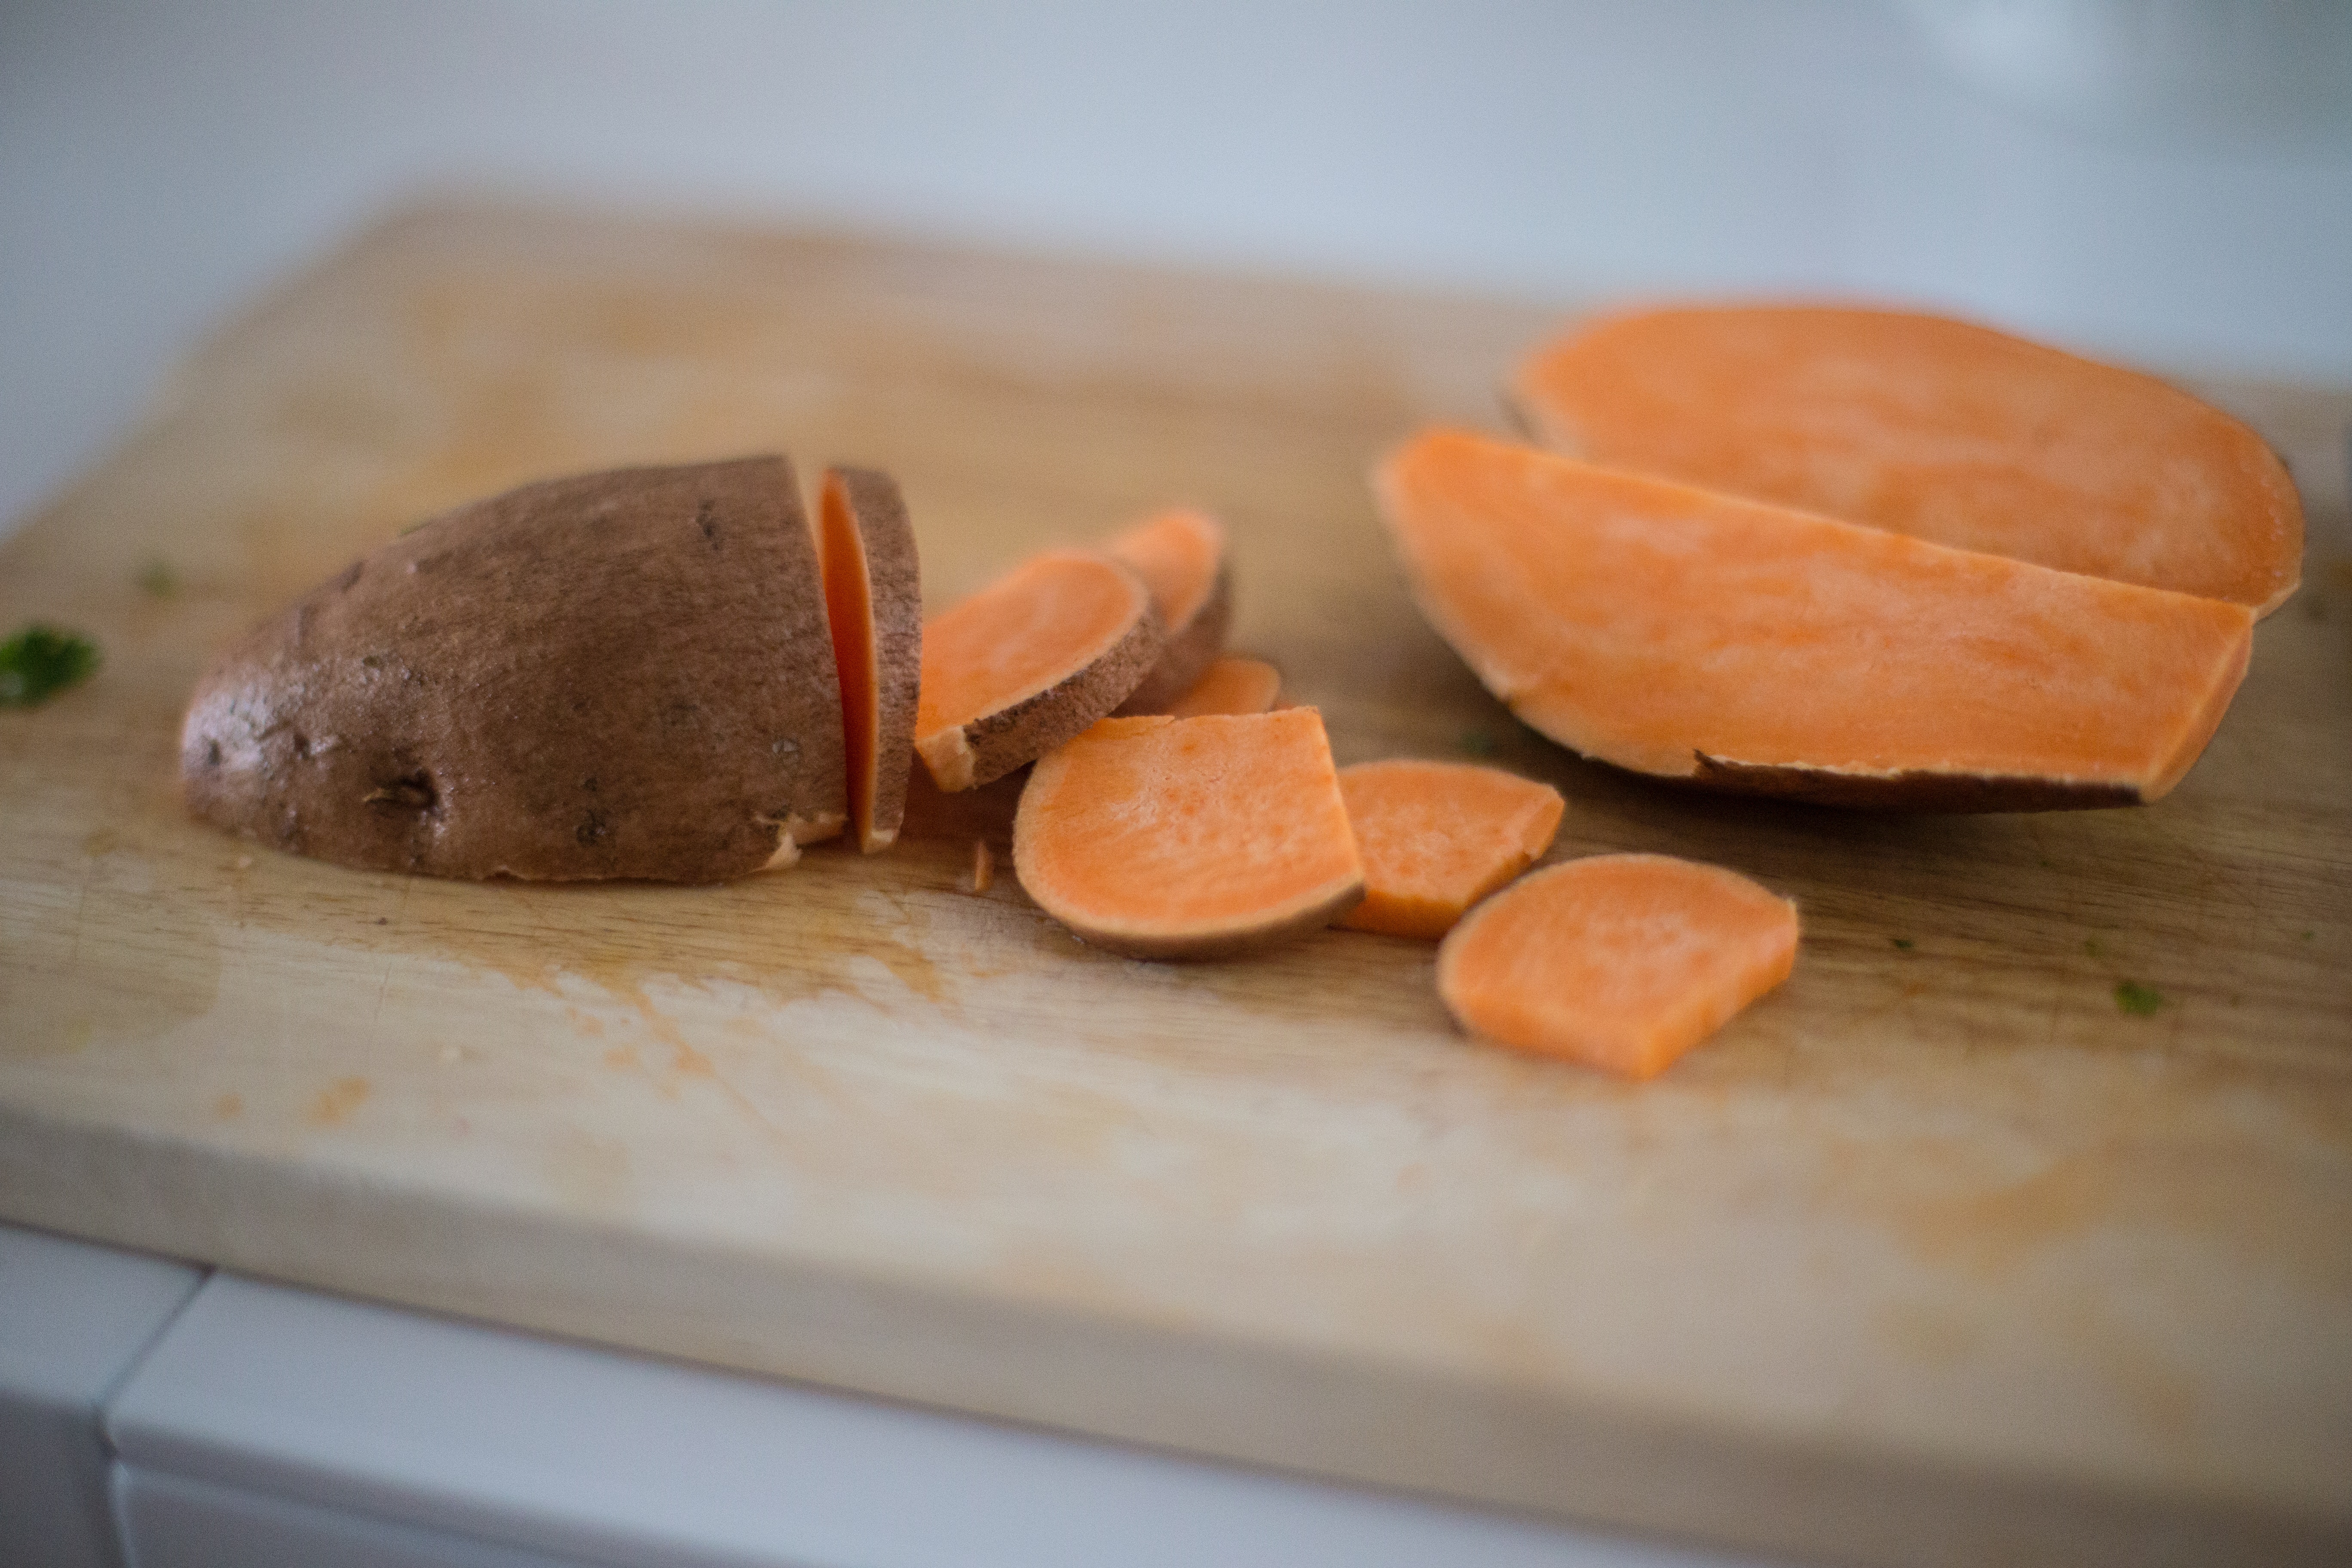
(622, 674)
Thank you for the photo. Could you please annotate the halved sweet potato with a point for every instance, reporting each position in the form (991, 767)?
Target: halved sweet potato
(1619, 961)
(1162, 837)
(1230, 686)
(1438, 837)
(1029, 661)
(624, 674)
(1932, 428)
(1181, 556)
(874, 597)
(1695, 636)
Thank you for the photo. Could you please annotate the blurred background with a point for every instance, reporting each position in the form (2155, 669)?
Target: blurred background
(2164, 181)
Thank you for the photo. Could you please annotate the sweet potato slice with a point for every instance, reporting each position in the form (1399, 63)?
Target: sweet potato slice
(1230, 686)
(1619, 961)
(1181, 556)
(622, 674)
(1029, 661)
(874, 597)
(1695, 636)
(1935, 428)
(1438, 837)
(1162, 837)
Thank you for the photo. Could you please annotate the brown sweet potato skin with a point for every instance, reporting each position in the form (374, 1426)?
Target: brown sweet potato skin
(1188, 652)
(994, 744)
(618, 675)
(1915, 791)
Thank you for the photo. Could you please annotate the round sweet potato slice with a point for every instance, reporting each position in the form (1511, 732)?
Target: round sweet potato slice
(1695, 636)
(1230, 686)
(873, 598)
(1436, 837)
(1028, 662)
(1619, 961)
(1932, 428)
(1181, 556)
(1162, 837)
(622, 674)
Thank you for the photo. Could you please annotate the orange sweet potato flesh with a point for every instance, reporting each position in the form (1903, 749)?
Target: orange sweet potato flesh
(1231, 686)
(1438, 837)
(1180, 553)
(1695, 636)
(873, 600)
(1030, 661)
(1931, 427)
(1162, 837)
(1619, 961)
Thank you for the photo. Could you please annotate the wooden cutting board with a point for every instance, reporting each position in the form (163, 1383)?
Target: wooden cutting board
(1938, 1254)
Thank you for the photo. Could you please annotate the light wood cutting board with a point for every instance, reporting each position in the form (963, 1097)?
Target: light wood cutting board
(1938, 1254)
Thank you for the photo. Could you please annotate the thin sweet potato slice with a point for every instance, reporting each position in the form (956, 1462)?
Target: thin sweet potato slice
(1029, 661)
(1438, 837)
(1230, 686)
(1695, 635)
(1619, 961)
(1931, 427)
(616, 675)
(1162, 837)
(1181, 556)
(873, 598)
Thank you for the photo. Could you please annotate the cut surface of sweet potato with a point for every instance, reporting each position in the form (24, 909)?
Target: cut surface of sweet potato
(1695, 635)
(1436, 837)
(1181, 556)
(874, 599)
(1231, 686)
(1162, 837)
(1619, 961)
(1029, 661)
(1931, 427)
(624, 674)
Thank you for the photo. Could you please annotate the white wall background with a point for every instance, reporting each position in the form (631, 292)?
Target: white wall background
(2166, 180)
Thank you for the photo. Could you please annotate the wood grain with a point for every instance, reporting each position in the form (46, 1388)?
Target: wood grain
(1936, 1256)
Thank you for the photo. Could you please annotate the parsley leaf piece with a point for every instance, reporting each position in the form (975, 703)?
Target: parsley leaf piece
(41, 661)
(2139, 1000)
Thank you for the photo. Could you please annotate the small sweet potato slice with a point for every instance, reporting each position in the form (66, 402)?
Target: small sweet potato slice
(1438, 837)
(1230, 686)
(1029, 661)
(1162, 837)
(1619, 961)
(874, 597)
(1695, 636)
(622, 674)
(1935, 428)
(1181, 556)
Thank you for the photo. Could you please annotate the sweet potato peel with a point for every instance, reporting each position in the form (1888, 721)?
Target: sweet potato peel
(1932, 428)
(1695, 635)
(1030, 661)
(1619, 961)
(1181, 556)
(1162, 837)
(1438, 837)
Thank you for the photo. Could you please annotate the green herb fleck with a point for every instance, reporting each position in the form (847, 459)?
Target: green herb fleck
(1479, 743)
(157, 580)
(2307, 936)
(2048, 863)
(2136, 999)
(41, 661)
(1903, 942)
(2091, 946)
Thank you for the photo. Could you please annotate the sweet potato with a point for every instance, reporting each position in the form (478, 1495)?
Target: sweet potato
(1436, 837)
(1935, 428)
(1699, 637)
(624, 674)
(1230, 686)
(873, 598)
(1030, 661)
(1162, 837)
(1181, 556)
(1619, 961)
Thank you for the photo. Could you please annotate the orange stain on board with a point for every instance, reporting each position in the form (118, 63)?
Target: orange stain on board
(333, 1105)
(228, 1105)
